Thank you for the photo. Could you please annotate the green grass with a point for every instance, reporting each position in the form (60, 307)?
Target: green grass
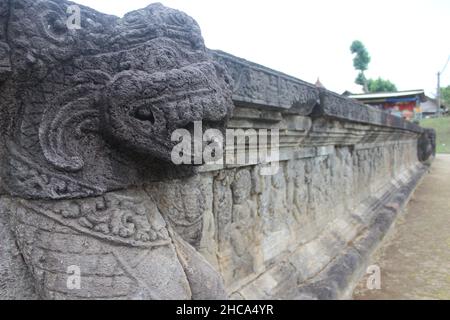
(442, 127)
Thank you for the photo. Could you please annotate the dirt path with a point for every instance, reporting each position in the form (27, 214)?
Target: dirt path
(415, 259)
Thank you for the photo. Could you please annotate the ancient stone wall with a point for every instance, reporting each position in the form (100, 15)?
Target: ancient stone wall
(341, 163)
(87, 179)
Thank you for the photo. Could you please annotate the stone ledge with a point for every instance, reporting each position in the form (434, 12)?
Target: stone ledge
(261, 87)
(336, 106)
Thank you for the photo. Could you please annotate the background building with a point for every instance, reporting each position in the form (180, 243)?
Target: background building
(405, 104)
(430, 107)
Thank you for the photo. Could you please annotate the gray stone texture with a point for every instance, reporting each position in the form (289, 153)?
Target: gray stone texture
(84, 110)
(86, 179)
(86, 119)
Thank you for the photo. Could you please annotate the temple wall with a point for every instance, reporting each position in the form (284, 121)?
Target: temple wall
(270, 235)
(250, 226)
(93, 205)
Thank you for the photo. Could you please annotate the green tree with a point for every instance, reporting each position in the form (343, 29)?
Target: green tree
(380, 85)
(445, 96)
(361, 62)
(361, 80)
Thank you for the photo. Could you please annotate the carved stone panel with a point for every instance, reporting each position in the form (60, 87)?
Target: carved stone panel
(90, 110)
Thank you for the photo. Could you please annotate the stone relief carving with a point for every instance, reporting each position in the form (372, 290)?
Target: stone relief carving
(245, 238)
(258, 85)
(87, 117)
(86, 179)
(91, 106)
(185, 203)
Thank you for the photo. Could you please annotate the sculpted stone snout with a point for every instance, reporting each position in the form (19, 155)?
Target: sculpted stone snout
(87, 116)
(141, 110)
(97, 106)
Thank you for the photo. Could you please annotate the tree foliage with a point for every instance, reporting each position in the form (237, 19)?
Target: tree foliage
(360, 62)
(362, 58)
(361, 79)
(380, 85)
(445, 96)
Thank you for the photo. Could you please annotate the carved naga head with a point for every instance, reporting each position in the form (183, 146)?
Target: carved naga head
(91, 107)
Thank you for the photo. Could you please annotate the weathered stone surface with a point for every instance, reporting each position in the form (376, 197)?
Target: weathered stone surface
(92, 110)
(426, 147)
(16, 281)
(83, 113)
(260, 86)
(86, 178)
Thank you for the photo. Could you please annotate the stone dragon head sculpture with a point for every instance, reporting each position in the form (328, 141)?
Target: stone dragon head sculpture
(92, 109)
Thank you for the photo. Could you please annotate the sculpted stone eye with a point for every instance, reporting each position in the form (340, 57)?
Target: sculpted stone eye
(144, 114)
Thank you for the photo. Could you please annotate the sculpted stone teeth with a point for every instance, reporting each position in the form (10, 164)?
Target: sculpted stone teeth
(88, 128)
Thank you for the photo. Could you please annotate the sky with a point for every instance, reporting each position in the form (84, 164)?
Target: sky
(408, 40)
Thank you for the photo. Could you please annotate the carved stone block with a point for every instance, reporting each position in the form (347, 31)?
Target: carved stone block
(86, 120)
